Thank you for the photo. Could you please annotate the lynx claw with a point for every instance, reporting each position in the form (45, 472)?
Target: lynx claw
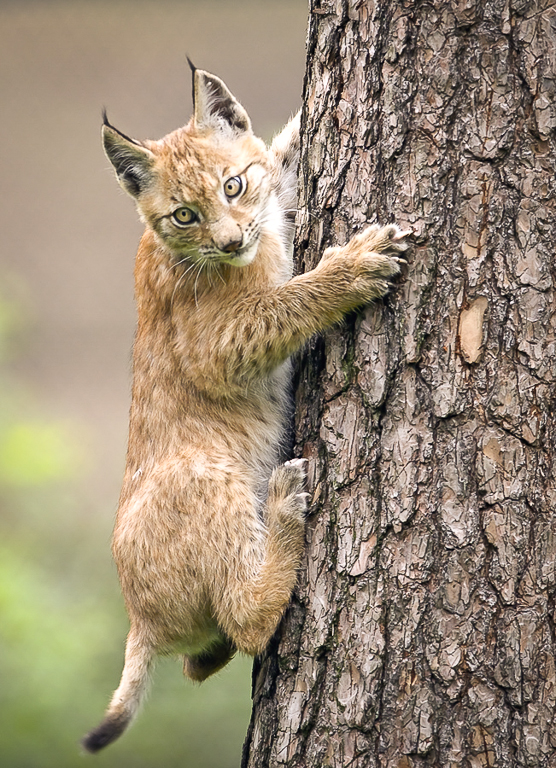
(385, 240)
(401, 233)
(301, 463)
(397, 241)
(305, 499)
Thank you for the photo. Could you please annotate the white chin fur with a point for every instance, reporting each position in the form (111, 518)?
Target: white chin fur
(244, 258)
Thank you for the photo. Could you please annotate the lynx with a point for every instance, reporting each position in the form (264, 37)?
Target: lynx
(210, 527)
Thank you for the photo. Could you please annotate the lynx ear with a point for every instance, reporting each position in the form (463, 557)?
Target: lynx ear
(214, 105)
(132, 161)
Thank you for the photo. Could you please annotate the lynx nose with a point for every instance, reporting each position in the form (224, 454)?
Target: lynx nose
(231, 245)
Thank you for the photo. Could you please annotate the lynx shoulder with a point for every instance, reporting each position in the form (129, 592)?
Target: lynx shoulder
(210, 526)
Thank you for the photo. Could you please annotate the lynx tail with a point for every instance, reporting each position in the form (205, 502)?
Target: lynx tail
(127, 698)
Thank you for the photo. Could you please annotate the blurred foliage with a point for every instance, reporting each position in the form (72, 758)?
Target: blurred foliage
(33, 453)
(62, 621)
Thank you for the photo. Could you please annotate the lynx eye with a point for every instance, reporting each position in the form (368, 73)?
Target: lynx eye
(184, 216)
(233, 186)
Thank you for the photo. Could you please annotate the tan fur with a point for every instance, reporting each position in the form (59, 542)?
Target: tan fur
(210, 529)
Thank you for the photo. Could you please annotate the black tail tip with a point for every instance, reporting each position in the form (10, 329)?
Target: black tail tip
(107, 732)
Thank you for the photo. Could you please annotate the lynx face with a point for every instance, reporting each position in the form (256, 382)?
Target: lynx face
(209, 203)
(204, 189)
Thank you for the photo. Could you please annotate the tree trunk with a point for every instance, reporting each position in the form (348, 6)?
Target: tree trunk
(422, 631)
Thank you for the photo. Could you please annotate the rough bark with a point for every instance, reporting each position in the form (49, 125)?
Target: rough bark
(422, 632)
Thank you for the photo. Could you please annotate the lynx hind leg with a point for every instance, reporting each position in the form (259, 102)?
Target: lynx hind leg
(286, 508)
(199, 667)
(257, 598)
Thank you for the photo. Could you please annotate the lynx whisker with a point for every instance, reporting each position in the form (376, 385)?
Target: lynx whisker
(181, 279)
(209, 272)
(181, 261)
(219, 273)
(201, 265)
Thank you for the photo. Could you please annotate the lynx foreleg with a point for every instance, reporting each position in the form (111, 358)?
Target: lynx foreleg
(269, 326)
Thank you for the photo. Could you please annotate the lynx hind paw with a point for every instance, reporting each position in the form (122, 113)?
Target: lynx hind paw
(288, 480)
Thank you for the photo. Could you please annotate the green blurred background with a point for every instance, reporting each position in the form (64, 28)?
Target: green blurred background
(66, 327)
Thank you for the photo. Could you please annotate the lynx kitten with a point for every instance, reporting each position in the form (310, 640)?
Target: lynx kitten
(210, 529)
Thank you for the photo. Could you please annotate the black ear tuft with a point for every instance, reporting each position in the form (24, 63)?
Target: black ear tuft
(108, 124)
(193, 69)
(132, 161)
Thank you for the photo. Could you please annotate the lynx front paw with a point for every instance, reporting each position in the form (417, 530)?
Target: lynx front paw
(375, 252)
(381, 244)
